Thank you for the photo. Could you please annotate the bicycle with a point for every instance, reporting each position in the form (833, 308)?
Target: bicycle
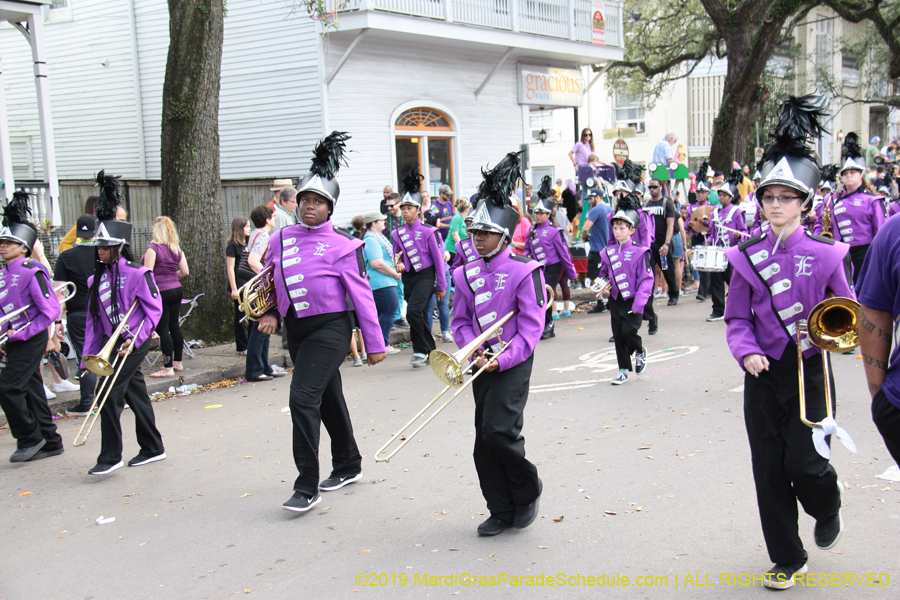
(153, 356)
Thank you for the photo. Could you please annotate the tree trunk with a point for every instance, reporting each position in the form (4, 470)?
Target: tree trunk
(191, 182)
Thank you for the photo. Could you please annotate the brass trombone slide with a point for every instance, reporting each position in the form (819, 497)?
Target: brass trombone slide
(450, 368)
(7, 318)
(832, 327)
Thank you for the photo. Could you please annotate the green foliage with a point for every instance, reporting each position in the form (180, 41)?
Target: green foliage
(178, 110)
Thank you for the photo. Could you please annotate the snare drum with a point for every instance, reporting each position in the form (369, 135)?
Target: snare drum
(710, 258)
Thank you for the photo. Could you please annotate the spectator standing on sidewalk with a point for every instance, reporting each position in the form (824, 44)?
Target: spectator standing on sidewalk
(286, 211)
(383, 279)
(257, 366)
(596, 231)
(168, 263)
(236, 255)
(663, 211)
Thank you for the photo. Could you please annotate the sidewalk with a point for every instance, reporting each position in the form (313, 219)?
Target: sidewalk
(209, 365)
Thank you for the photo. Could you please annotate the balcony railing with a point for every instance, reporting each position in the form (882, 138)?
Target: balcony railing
(567, 19)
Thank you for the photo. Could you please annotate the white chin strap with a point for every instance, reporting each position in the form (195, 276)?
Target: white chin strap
(319, 226)
(496, 250)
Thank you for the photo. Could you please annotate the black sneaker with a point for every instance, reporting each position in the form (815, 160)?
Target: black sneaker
(336, 482)
(401, 324)
(23, 454)
(46, 453)
(103, 469)
(612, 339)
(715, 317)
(598, 308)
(673, 301)
(654, 325)
(640, 361)
(82, 410)
(300, 502)
(781, 577)
(549, 332)
(141, 459)
(702, 299)
(525, 515)
(493, 526)
(828, 531)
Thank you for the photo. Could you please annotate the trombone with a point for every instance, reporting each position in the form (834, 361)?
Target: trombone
(99, 364)
(831, 327)
(8, 318)
(450, 368)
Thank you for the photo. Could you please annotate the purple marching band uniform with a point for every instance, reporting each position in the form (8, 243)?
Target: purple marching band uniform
(487, 289)
(731, 217)
(423, 261)
(465, 253)
(23, 282)
(627, 267)
(135, 283)
(546, 244)
(855, 219)
(775, 284)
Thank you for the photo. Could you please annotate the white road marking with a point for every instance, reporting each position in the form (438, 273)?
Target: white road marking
(738, 389)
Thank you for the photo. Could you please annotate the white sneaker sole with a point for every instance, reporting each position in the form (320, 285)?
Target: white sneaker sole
(353, 479)
(295, 509)
(786, 584)
(149, 460)
(118, 465)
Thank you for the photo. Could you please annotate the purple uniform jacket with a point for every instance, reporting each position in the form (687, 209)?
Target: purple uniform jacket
(421, 247)
(644, 233)
(771, 290)
(893, 208)
(855, 218)
(23, 282)
(732, 218)
(627, 267)
(486, 292)
(465, 253)
(879, 289)
(315, 271)
(136, 283)
(546, 244)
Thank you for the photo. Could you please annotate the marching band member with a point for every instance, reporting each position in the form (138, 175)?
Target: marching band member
(726, 221)
(699, 239)
(26, 282)
(887, 191)
(827, 188)
(465, 250)
(778, 278)
(316, 267)
(118, 283)
(626, 265)
(488, 289)
(855, 214)
(546, 243)
(422, 266)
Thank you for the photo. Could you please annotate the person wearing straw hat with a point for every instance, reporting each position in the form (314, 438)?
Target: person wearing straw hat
(26, 282)
(277, 186)
(778, 277)
(118, 283)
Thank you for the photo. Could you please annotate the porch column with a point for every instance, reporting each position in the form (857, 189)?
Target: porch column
(6, 171)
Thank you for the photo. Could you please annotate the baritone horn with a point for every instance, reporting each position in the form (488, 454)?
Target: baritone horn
(450, 368)
(832, 327)
(600, 285)
(257, 297)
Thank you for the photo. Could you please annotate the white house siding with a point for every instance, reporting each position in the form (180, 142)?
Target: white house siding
(379, 77)
(93, 105)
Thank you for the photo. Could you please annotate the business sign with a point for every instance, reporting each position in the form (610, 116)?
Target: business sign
(620, 151)
(550, 87)
(599, 30)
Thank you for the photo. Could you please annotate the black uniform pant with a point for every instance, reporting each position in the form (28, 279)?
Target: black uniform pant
(240, 330)
(857, 258)
(786, 466)
(75, 323)
(318, 347)
(551, 275)
(668, 272)
(22, 394)
(696, 241)
(887, 418)
(717, 281)
(417, 290)
(507, 478)
(625, 330)
(129, 388)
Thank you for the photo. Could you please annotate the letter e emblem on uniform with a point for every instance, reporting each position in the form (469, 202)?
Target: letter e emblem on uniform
(501, 281)
(320, 249)
(804, 267)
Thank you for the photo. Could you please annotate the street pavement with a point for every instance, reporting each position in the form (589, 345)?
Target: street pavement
(647, 490)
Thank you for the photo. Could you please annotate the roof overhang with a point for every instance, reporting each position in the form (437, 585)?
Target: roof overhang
(19, 10)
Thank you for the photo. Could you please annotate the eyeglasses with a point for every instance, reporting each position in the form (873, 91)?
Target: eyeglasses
(653, 187)
(781, 199)
(589, 135)
(391, 205)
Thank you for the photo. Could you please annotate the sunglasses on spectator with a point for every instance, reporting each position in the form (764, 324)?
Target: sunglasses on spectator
(653, 187)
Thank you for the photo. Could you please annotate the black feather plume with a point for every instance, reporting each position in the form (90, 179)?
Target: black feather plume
(110, 197)
(850, 148)
(411, 182)
(736, 177)
(546, 187)
(830, 173)
(800, 118)
(329, 155)
(630, 202)
(702, 172)
(633, 171)
(17, 210)
(500, 181)
(888, 179)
